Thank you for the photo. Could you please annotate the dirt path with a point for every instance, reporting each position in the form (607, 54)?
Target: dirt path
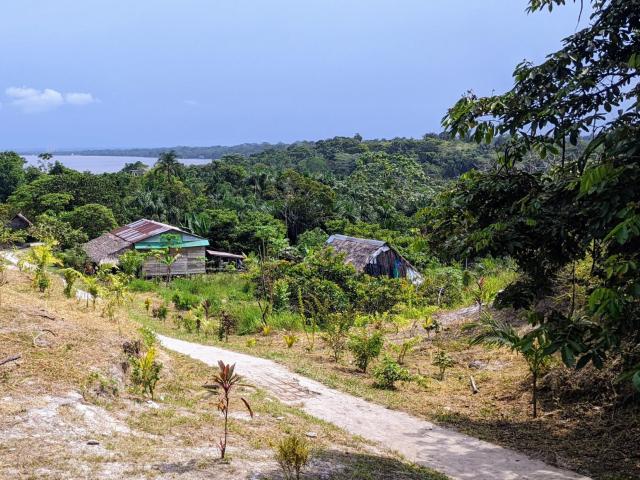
(456, 455)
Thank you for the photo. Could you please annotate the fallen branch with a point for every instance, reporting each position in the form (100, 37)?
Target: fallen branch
(10, 359)
(474, 387)
(42, 332)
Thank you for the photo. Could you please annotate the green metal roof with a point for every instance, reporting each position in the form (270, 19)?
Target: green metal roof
(161, 245)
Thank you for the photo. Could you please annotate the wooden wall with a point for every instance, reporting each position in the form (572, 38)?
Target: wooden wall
(190, 262)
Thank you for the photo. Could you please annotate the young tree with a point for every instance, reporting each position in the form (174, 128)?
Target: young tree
(169, 253)
(41, 258)
(534, 346)
(226, 379)
(3, 277)
(70, 276)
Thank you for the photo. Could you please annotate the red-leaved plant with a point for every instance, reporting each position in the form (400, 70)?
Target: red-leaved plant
(225, 379)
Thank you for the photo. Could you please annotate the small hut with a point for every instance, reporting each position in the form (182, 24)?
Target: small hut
(147, 235)
(374, 257)
(19, 222)
(218, 261)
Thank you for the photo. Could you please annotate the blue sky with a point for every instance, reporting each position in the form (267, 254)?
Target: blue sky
(122, 73)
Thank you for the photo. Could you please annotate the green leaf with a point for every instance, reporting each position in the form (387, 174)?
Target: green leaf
(636, 380)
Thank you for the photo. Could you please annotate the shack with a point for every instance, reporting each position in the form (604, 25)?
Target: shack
(146, 236)
(374, 257)
(219, 261)
(19, 222)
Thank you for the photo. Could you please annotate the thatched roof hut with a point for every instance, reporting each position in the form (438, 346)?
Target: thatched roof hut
(374, 257)
(19, 222)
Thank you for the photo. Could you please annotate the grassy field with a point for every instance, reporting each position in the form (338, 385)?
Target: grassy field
(500, 412)
(68, 409)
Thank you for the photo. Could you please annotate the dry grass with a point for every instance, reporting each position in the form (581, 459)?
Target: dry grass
(598, 438)
(46, 424)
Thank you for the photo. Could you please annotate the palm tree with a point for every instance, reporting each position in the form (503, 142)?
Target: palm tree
(169, 165)
(533, 345)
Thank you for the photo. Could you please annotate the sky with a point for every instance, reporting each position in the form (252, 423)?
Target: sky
(153, 73)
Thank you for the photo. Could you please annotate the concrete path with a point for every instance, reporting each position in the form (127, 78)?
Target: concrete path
(454, 454)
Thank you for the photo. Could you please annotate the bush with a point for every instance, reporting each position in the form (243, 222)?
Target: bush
(131, 262)
(292, 455)
(281, 295)
(161, 312)
(290, 339)
(75, 258)
(365, 347)
(442, 360)
(185, 301)
(442, 286)
(381, 294)
(388, 372)
(227, 325)
(145, 371)
(149, 337)
(336, 333)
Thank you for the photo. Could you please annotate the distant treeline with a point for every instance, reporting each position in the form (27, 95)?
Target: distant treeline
(213, 152)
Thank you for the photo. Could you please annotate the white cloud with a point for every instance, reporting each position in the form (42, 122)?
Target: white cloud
(191, 102)
(31, 100)
(76, 98)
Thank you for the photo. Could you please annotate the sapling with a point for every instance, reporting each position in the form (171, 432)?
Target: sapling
(70, 276)
(365, 347)
(442, 360)
(534, 346)
(226, 379)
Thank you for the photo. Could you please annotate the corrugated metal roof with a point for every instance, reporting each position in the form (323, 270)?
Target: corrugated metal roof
(215, 253)
(142, 229)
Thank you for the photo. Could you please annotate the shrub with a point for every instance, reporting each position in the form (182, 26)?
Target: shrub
(70, 277)
(290, 339)
(131, 262)
(380, 294)
(405, 347)
(365, 347)
(145, 371)
(281, 295)
(442, 286)
(251, 342)
(185, 301)
(442, 360)
(149, 337)
(336, 333)
(227, 324)
(292, 455)
(388, 372)
(75, 258)
(160, 312)
(147, 305)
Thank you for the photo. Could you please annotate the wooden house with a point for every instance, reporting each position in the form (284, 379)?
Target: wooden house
(374, 257)
(147, 236)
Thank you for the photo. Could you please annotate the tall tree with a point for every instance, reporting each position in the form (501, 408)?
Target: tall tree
(11, 173)
(584, 206)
